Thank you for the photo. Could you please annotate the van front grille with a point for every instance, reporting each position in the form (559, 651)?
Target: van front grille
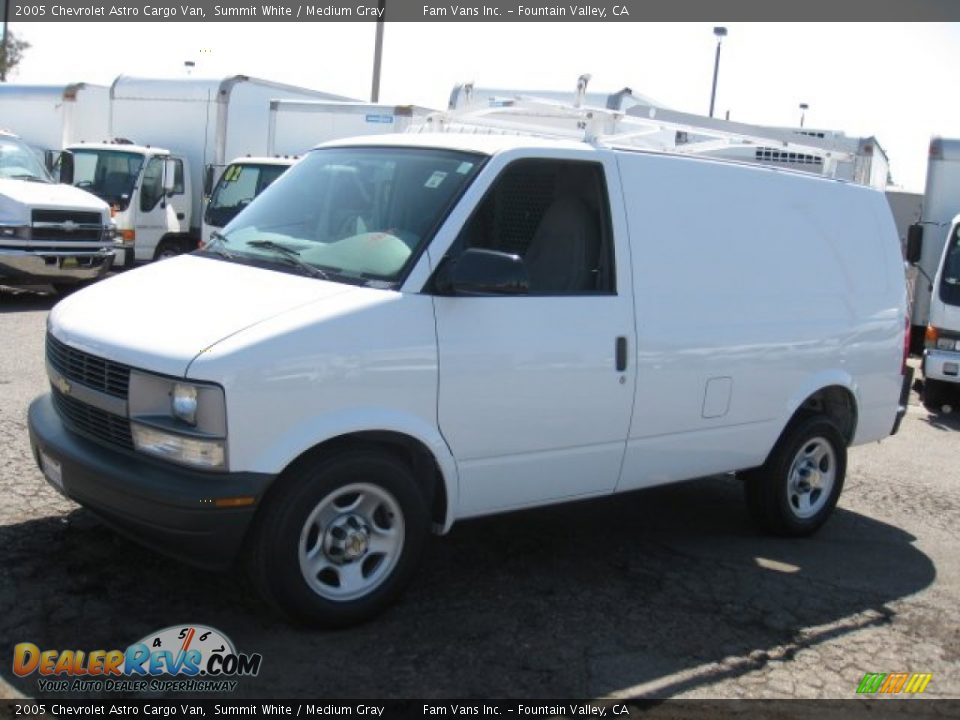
(94, 372)
(93, 422)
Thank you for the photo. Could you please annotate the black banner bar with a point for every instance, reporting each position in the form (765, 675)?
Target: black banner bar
(165, 709)
(481, 11)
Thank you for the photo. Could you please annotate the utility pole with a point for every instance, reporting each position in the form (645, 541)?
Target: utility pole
(720, 33)
(377, 53)
(803, 112)
(6, 14)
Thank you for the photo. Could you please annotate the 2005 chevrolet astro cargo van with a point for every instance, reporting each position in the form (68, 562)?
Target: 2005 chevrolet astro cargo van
(405, 331)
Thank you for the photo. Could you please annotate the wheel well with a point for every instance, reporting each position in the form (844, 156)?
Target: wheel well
(408, 449)
(181, 239)
(835, 402)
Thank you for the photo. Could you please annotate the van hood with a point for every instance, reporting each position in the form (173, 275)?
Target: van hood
(161, 316)
(29, 195)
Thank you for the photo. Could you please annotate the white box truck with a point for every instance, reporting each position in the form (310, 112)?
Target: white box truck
(191, 122)
(295, 126)
(941, 202)
(50, 234)
(51, 117)
(516, 321)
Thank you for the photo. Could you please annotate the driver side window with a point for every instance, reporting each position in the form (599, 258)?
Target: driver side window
(555, 215)
(151, 189)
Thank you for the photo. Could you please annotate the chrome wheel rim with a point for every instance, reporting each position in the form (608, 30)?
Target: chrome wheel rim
(811, 477)
(351, 541)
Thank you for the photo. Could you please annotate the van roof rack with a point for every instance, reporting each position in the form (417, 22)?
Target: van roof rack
(634, 125)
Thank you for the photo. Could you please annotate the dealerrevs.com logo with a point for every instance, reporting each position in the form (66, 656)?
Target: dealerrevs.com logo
(185, 658)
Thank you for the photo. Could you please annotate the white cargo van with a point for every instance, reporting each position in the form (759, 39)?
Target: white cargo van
(406, 331)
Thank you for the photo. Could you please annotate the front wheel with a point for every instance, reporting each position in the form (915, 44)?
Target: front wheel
(795, 491)
(339, 538)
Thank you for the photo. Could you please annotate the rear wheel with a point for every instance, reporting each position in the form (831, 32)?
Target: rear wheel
(339, 538)
(795, 491)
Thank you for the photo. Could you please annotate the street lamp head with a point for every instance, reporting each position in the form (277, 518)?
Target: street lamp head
(720, 32)
(804, 106)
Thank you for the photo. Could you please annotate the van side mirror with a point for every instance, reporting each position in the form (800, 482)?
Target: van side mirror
(208, 180)
(66, 167)
(169, 175)
(488, 272)
(914, 243)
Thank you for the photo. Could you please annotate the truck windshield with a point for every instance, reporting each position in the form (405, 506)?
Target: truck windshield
(108, 174)
(950, 276)
(237, 187)
(362, 214)
(19, 162)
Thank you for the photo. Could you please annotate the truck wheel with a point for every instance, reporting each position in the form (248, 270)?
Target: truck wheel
(341, 536)
(934, 394)
(795, 491)
(171, 247)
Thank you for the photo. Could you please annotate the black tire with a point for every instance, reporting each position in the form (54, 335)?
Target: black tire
(934, 394)
(274, 556)
(773, 499)
(171, 247)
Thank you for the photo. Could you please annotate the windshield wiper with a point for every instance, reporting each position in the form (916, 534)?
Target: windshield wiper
(293, 256)
(28, 178)
(216, 245)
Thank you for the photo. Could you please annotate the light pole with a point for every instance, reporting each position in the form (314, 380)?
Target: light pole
(803, 112)
(377, 54)
(721, 33)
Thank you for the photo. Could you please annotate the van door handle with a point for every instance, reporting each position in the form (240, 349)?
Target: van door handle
(179, 216)
(621, 354)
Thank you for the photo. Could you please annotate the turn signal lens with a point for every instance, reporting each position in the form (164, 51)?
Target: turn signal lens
(930, 337)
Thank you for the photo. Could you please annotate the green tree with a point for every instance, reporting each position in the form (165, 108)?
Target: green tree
(11, 54)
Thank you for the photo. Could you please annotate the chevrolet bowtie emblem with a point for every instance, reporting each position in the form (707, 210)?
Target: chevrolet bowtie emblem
(69, 226)
(63, 385)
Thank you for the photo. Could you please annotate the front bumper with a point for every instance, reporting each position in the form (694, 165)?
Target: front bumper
(941, 365)
(166, 507)
(40, 267)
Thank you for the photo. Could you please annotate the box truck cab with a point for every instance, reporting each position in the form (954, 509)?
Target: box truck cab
(941, 354)
(405, 331)
(148, 190)
(241, 181)
(49, 233)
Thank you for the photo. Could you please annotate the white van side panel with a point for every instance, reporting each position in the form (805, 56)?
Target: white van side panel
(290, 384)
(754, 288)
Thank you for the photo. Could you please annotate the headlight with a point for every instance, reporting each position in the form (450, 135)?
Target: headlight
(21, 232)
(178, 448)
(183, 403)
(180, 421)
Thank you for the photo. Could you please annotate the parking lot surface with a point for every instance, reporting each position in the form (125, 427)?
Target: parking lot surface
(663, 593)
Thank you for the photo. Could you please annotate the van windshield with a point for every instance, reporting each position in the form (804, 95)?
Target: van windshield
(363, 214)
(950, 277)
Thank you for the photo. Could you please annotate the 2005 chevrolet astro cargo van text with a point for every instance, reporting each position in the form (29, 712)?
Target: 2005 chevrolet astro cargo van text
(405, 331)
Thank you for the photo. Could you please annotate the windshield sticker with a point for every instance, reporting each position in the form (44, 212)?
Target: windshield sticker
(434, 180)
(464, 168)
